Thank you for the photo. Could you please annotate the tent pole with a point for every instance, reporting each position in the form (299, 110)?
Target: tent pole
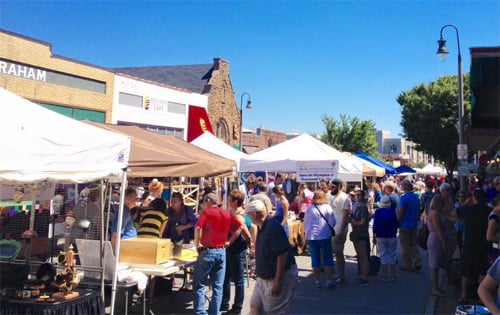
(102, 238)
(118, 240)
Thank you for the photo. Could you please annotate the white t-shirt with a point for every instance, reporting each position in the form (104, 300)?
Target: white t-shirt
(339, 203)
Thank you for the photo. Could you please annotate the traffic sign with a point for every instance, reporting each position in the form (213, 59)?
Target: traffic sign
(462, 152)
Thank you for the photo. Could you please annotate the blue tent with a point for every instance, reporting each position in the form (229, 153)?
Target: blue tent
(388, 169)
(405, 169)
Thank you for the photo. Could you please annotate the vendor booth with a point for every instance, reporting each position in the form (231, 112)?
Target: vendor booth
(41, 146)
(430, 169)
(154, 154)
(307, 153)
(369, 169)
(388, 169)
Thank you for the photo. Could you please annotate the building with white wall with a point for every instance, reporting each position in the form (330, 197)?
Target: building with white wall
(399, 151)
(154, 106)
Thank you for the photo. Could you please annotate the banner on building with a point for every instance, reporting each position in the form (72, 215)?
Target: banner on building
(198, 122)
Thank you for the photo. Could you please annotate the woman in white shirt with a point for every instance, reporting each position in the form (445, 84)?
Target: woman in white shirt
(319, 220)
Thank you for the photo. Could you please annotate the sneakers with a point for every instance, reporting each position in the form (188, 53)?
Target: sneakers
(362, 283)
(318, 285)
(340, 280)
(330, 285)
(384, 279)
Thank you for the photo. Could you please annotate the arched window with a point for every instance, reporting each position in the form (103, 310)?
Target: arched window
(222, 130)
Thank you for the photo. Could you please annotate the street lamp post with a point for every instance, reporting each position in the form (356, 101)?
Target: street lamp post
(442, 53)
(248, 107)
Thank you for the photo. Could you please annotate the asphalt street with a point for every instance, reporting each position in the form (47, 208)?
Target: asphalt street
(409, 294)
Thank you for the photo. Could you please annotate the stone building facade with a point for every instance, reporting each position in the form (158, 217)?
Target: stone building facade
(223, 110)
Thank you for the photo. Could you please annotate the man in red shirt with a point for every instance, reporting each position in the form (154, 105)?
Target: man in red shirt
(210, 238)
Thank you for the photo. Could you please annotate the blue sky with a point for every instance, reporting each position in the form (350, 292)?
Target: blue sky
(298, 60)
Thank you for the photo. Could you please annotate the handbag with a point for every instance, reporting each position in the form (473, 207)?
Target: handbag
(422, 235)
(332, 230)
(374, 261)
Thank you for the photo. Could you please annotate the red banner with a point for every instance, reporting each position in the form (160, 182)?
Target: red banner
(198, 122)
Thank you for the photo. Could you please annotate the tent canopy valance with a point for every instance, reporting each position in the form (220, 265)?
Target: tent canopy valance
(154, 154)
(304, 148)
(39, 144)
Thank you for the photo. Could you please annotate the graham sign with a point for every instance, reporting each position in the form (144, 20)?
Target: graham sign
(314, 171)
(22, 71)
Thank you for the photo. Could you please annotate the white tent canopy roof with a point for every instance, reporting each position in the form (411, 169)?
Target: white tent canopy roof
(40, 144)
(284, 156)
(211, 143)
(429, 169)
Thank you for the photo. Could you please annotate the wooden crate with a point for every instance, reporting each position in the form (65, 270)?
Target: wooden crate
(145, 251)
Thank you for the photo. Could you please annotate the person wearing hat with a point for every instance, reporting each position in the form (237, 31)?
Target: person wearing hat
(211, 241)
(276, 269)
(408, 213)
(385, 228)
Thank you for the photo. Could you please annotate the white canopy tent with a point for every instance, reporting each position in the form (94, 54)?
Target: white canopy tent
(430, 169)
(211, 143)
(41, 145)
(284, 157)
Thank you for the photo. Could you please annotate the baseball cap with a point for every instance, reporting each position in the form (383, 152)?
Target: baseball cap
(255, 206)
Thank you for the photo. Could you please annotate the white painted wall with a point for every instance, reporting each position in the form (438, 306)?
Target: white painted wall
(155, 115)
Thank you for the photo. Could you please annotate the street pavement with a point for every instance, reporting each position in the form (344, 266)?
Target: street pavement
(409, 294)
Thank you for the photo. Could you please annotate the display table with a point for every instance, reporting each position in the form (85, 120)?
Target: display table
(162, 270)
(89, 302)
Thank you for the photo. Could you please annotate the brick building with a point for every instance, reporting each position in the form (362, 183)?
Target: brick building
(261, 139)
(73, 88)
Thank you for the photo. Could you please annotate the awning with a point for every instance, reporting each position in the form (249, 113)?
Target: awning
(405, 169)
(388, 169)
(369, 169)
(154, 154)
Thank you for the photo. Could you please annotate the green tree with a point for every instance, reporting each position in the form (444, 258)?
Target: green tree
(430, 117)
(350, 134)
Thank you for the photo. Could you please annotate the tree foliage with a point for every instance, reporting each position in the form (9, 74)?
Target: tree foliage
(430, 117)
(350, 134)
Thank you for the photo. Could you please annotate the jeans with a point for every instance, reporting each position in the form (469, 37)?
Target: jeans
(211, 262)
(235, 271)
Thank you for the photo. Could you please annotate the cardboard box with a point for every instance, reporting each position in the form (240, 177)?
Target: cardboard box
(145, 251)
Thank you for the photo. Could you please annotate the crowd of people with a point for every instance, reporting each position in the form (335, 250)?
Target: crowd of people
(463, 223)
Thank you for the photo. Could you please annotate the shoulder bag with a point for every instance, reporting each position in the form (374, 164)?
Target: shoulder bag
(332, 230)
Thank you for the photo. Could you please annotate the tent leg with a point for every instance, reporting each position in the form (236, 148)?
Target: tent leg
(118, 241)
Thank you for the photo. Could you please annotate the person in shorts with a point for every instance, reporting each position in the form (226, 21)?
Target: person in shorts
(276, 270)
